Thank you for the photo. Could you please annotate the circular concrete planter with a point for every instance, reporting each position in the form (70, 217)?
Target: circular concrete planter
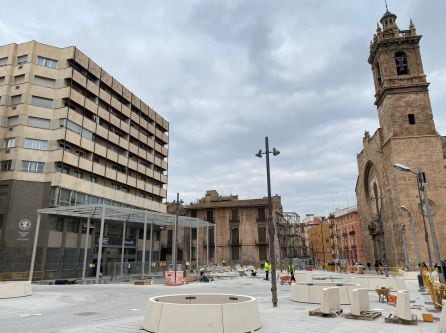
(376, 282)
(10, 289)
(311, 292)
(208, 313)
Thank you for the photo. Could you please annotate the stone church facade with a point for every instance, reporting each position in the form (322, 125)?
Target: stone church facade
(407, 136)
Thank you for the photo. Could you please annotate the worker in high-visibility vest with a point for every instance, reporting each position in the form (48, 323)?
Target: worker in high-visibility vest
(202, 269)
(267, 268)
(291, 271)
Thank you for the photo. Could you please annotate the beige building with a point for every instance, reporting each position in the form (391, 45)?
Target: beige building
(240, 232)
(320, 241)
(407, 135)
(71, 134)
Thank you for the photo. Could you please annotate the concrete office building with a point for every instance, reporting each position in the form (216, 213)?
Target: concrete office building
(71, 134)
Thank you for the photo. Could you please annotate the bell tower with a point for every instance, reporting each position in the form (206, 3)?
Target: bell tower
(401, 88)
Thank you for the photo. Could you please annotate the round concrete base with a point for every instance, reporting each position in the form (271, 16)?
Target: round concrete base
(202, 313)
(10, 289)
(308, 292)
(376, 282)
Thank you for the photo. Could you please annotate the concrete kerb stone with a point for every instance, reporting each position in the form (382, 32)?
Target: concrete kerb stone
(360, 301)
(403, 305)
(311, 292)
(11, 289)
(217, 313)
(330, 300)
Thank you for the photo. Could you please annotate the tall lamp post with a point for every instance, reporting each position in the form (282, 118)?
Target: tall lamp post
(424, 201)
(175, 231)
(417, 249)
(272, 250)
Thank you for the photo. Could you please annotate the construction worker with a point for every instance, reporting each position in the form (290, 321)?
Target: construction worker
(202, 269)
(267, 268)
(253, 272)
(291, 271)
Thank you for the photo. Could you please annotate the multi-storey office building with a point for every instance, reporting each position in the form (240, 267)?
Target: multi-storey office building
(71, 134)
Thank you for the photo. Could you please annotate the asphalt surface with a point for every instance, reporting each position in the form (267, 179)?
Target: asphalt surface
(120, 308)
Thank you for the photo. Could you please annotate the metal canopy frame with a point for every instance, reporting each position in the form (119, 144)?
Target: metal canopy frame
(115, 213)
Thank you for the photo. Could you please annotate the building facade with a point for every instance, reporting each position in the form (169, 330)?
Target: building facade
(71, 134)
(320, 240)
(407, 136)
(346, 236)
(240, 232)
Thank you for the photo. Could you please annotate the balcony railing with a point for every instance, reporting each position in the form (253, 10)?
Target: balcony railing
(262, 242)
(352, 232)
(261, 218)
(234, 242)
(234, 219)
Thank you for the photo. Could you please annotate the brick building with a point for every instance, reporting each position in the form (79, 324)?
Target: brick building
(346, 240)
(407, 135)
(71, 134)
(240, 232)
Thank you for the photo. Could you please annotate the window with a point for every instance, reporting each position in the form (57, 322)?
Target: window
(44, 81)
(38, 122)
(411, 118)
(234, 215)
(234, 236)
(93, 179)
(194, 233)
(3, 61)
(6, 165)
(36, 144)
(51, 63)
(235, 253)
(16, 99)
(69, 258)
(9, 142)
(22, 59)
(210, 216)
(12, 121)
(262, 234)
(19, 79)
(2, 79)
(402, 68)
(52, 259)
(32, 166)
(42, 102)
(78, 174)
(125, 189)
(262, 253)
(261, 214)
(72, 225)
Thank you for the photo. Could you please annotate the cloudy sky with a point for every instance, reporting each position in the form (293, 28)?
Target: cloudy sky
(227, 73)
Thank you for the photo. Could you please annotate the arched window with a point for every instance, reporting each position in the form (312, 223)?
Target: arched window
(402, 68)
(378, 74)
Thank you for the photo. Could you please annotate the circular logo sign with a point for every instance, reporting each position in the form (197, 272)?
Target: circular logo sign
(25, 224)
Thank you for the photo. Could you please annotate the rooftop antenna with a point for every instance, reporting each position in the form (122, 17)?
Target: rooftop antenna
(387, 8)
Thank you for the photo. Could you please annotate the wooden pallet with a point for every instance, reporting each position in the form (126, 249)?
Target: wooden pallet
(318, 313)
(364, 315)
(397, 320)
(142, 282)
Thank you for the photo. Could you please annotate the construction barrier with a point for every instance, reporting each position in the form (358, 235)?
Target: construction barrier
(20, 276)
(436, 290)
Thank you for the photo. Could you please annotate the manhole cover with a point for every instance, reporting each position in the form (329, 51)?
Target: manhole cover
(87, 313)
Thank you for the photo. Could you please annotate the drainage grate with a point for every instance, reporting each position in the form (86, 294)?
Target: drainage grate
(87, 313)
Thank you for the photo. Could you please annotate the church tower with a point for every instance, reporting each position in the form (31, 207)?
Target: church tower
(401, 88)
(407, 135)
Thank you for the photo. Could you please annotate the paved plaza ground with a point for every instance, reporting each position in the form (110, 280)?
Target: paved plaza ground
(120, 308)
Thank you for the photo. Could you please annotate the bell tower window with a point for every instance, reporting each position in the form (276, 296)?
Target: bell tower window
(378, 75)
(402, 68)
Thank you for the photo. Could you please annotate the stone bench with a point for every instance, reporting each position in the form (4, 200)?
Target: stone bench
(311, 292)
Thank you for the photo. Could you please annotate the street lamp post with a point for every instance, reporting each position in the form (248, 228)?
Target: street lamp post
(175, 231)
(417, 249)
(424, 201)
(272, 251)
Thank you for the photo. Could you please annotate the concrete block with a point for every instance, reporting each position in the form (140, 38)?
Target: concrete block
(305, 292)
(360, 301)
(10, 289)
(403, 305)
(331, 301)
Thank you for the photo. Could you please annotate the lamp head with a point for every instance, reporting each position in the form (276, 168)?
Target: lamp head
(275, 152)
(259, 154)
(401, 167)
